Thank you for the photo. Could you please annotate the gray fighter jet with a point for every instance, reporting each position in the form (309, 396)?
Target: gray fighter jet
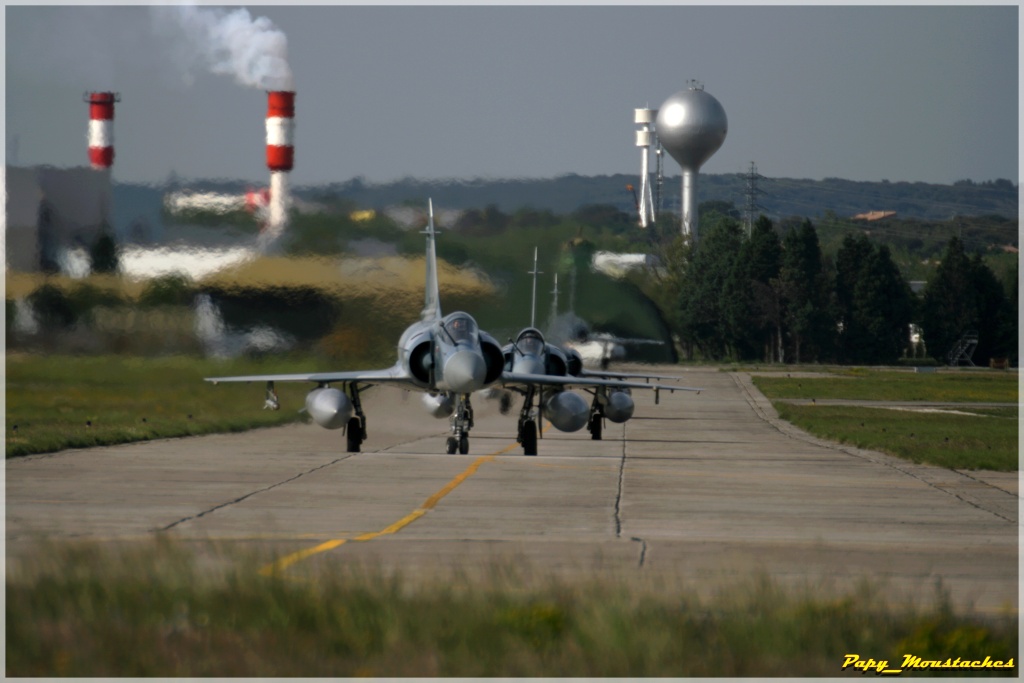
(544, 373)
(446, 357)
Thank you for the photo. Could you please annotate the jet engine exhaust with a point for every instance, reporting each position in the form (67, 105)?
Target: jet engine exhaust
(329, 408)
(567, 411)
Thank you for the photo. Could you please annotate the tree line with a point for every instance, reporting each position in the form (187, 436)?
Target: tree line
(780, 196)
(773, 296)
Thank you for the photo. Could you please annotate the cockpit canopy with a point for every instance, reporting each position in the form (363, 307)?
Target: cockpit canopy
(530, 342)
(461, 328)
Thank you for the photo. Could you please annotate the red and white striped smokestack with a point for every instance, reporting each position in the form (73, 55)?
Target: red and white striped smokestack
(280, 156)
(101, 128)
(280, 130)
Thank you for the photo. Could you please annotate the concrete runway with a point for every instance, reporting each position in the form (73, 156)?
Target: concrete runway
(700, 491)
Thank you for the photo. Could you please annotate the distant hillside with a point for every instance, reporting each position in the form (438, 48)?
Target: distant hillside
(778, 197)
(137, 208)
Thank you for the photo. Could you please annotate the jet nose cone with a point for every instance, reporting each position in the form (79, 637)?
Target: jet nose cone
(464, 371)
(529, 365)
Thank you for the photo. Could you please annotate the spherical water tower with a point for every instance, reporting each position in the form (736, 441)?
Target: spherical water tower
(691, 125)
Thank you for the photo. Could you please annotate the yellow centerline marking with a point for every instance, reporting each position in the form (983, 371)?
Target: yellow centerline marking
(428, 504)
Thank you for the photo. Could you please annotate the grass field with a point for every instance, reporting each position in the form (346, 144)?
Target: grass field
(148, 610)
(886, 385)
(58, 402)
(980, 442)
(966, 437)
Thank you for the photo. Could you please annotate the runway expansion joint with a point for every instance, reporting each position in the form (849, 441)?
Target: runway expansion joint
(643, 549)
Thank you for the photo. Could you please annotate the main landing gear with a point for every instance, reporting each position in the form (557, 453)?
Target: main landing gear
(596, 421)
(355, 430)
(462, 422)
(528, 424)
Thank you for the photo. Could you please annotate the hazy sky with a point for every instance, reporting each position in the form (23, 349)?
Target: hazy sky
(915, 93)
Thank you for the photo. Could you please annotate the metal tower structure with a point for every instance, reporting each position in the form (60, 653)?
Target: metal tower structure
(751, 194)
(659, 173)
(644, 138)
(692, 125)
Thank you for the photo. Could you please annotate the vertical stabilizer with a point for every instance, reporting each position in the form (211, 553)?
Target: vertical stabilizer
(432, 297)
(533, 296)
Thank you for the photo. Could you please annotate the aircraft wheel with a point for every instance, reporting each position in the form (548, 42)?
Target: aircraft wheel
(595, 428)
(530, 438)
(354, 434)
(452, 445)
(464, 445)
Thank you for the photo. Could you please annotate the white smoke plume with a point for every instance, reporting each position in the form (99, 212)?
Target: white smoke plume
(233, 43)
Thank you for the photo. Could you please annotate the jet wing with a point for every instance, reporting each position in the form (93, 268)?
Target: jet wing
(604, 337)
(524, 379)
(609, 374)
(394, 375)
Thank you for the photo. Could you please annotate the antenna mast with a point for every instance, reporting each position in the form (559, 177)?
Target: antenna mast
(533, 298)
(554, 305)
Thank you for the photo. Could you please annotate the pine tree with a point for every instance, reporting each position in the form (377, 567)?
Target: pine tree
(703, 306)
(950, 307)
(992, 311)
(850, 260)
(882, 310)
(751, 307)
(1011, 322)
(103, 255)
(806, 295)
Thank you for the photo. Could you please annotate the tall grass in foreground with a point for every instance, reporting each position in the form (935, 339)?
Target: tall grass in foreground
(150, 611)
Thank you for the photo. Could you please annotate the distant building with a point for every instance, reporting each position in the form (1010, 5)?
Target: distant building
(874, 216)
(54, 215)
(618, 265)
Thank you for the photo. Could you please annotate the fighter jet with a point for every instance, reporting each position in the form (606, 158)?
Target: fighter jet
(445, 357)
(545, 372)
(587, 347)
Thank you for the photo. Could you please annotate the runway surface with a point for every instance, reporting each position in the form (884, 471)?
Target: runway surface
(701, 491)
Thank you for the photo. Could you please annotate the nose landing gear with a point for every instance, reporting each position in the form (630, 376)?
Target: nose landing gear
(462, 422)
(528, 424)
